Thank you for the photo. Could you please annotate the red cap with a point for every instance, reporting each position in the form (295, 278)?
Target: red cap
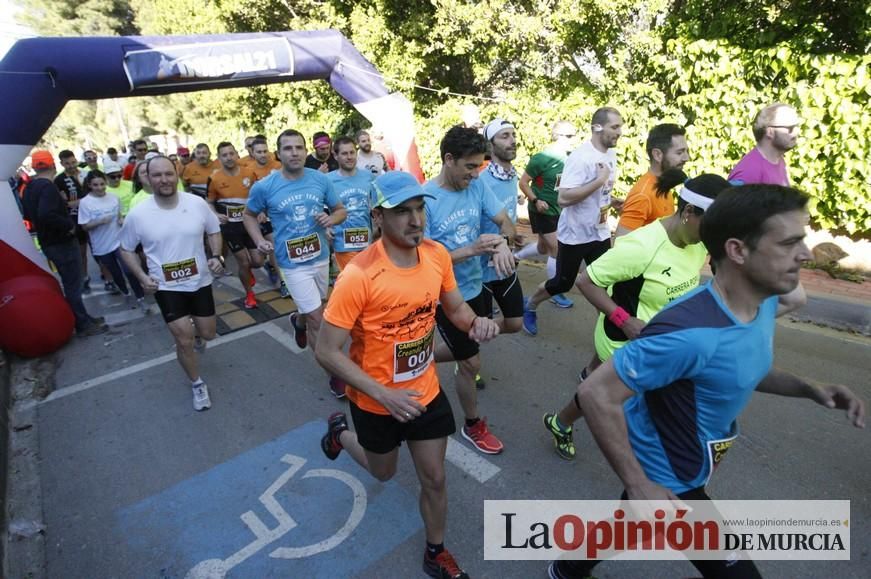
(41, 160)
(182, 151)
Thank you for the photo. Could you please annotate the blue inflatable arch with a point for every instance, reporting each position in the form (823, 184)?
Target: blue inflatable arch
(43, 74)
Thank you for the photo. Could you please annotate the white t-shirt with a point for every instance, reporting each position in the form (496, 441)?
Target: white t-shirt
(372, 163)
(172, 240)
(104, 238)
(588, 220)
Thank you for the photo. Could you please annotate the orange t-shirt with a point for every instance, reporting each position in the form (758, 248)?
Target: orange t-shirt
(230, 192)
(196, 176)
(390, 312)
(262, 171)
(642, 205)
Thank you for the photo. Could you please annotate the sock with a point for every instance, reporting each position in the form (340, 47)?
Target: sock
(551, 267)
(197, 382)
(470, 422)
(433, 550)
(527, 251)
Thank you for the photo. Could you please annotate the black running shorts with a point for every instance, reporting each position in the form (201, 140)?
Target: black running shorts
(176, 305)
(461, 346)
(381, 433)
(507, 293)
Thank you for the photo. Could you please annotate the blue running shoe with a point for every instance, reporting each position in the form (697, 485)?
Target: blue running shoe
(561, 301)
(530, 319)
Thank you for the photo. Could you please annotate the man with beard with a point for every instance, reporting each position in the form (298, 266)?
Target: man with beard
(585, 196)
(69, 183)
(170, 226)
(321, 159)
(367, 159)
(666, 150)
(776, 130)
(195, 176)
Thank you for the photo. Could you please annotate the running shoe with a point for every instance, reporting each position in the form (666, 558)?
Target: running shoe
(201, 397)
(299, 334)
(199, 345)
(336, 424)
(337, 387)
(97, 319)
(272, 272)
(143, 305)
(561, 301)
(563, 443)
(250, 301)
(283, 291)
(557, 570)
(443, 566)
(530, 319)
(481, 437)
(93, 330)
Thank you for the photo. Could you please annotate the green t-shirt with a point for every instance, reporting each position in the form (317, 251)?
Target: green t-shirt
(643, 272)
(545, 169)
(139, 198)
(124, 192)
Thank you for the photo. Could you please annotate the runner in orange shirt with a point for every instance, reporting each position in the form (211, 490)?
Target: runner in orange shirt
(247, 161)
(195, 175)
(385, 299)
(227, 194)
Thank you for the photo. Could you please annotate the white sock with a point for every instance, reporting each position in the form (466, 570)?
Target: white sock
(551, 267)
(197, 382)
(528, 250)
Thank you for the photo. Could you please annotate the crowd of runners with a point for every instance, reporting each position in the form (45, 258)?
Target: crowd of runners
(664, 383)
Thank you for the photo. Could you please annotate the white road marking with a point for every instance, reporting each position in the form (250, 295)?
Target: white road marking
(470, 462)
(283, 338)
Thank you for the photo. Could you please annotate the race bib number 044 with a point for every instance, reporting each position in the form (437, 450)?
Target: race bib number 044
(180, 271)
(412, 358)
(304, 249)
(356, 238)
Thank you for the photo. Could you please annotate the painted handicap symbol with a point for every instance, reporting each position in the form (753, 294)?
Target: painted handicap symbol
(218, 568)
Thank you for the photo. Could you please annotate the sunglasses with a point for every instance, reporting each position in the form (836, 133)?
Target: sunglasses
(113, 175)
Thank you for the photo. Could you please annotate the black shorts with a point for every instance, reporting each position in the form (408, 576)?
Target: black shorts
(266, 228)
(458, 341)
(542, 224)
(568, 263)
(381, 433)
(236, 237)
(507, 293)
(176, 305)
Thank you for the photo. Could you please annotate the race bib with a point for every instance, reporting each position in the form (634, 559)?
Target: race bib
(302, 249)
(180, 271)
(412, 358)
(234, 213)
(356, 238)
(717, 450)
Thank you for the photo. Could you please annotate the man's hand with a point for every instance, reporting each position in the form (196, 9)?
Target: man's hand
(483, 330)
(650, 491)
(149, 284)
(841, 397)
(503, 260)
(617, 204)
(222, 219)
(541, 205)
(632, 327)
(265, 247)
(402, 404)
(215, 265)
(602, 172)
(487, 243)
(262, 218)
(323, 220)
(324, 168)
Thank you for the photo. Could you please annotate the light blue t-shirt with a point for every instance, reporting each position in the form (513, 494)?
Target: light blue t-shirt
(292, 206)
(694, 369)
(453, 219)
(355, 233)
(506, 194)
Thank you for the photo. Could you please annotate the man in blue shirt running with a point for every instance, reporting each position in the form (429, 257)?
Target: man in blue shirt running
(664, 409)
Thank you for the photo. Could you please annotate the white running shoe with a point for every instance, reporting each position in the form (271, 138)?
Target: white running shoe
(201, 397)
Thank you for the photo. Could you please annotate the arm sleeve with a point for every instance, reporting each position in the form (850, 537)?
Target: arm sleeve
(84, 213)
(533, 168)
(626, 260)
(490, 205)
(348, 297)
(744, 172)
(129, 237)
(210, 220)
(256, 200)
(574, 172)
(635, 212)
(331, 196)
(657, 361)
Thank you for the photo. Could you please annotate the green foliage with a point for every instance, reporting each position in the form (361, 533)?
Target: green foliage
(78, 17)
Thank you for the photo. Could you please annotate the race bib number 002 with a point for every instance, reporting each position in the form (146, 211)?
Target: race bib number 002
(304, 248)
(412, 358)
(180, 271)
(356, 238)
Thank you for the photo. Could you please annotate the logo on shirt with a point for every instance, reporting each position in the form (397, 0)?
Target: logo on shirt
(461, 235)
(667, 271)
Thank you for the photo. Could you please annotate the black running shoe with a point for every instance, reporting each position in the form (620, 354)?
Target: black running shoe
(336, 424)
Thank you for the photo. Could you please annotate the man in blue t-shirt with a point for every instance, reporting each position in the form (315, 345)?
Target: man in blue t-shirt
(664, 409)
(353, 187)
(501, 177)
(294, 198)
(453, 219)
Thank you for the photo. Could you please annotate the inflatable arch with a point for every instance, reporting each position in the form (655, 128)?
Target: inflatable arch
(39, 75)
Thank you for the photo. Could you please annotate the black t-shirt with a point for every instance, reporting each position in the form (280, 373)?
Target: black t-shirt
(72, 188)
(45, 207)
(313, 162)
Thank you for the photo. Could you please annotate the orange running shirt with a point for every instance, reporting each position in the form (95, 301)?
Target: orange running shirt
(196, 176)
(230, 192)
(262, 171)
(390, 312)
(642, 206)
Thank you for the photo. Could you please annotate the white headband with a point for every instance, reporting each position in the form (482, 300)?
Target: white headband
(695, 199)
(494, 126)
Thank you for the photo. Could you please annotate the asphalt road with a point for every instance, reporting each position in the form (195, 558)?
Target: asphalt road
(137, 484)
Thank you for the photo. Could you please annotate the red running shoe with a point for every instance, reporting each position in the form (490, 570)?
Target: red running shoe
(481, 437)
(443, 566)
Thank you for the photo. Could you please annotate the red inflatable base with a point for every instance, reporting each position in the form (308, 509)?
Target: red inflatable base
(34, 317)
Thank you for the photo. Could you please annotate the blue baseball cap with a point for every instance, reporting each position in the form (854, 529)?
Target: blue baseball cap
(395, 188)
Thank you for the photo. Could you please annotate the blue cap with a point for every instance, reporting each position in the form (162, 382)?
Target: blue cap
(395, 188)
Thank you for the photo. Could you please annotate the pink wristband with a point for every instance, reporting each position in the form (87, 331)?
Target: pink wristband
(618, 317)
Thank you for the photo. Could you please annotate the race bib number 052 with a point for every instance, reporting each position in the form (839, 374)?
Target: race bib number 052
(356, 238)
(304, 248)
(412, 358)
(180, 271)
